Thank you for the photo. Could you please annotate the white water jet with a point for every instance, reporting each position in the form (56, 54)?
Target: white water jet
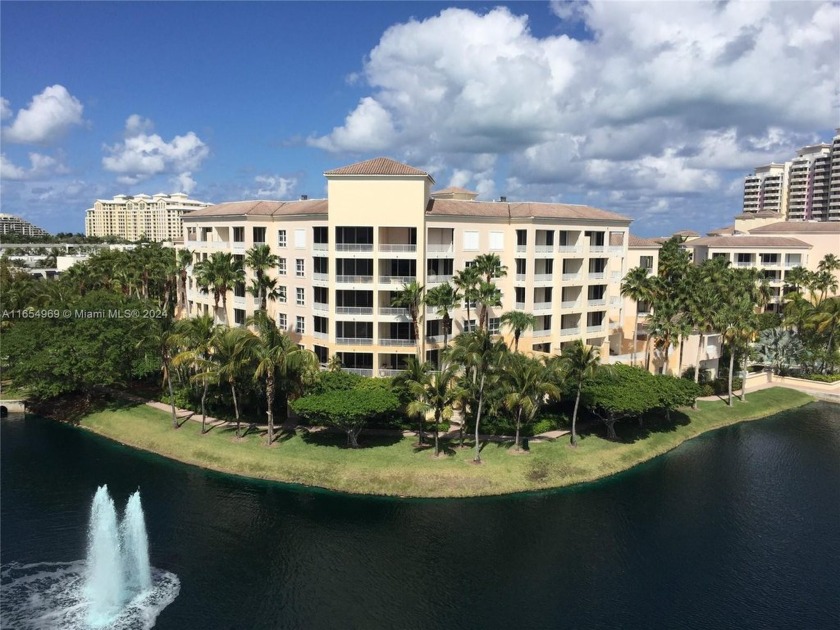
(138, 571)
(104, 579)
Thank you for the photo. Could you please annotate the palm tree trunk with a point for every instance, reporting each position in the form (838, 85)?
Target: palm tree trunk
(437, 445)
(574, 417)
(731, 368)
(516, 334)
(235, 408)
(477, 458)
(682, 343)
(744, 379)
(171, 395)
(269, 394)
(518, 424)
(667, 348)
(203, 408)
(635, 337)
(697, 367)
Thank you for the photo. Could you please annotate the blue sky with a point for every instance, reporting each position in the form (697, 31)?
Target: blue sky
(656, 110)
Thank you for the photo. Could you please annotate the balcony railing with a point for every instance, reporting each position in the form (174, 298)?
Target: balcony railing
(597, 275)
(389, 341)
(434, 338)
(397, 311)
(354, 341)
(745, 263)
(320, 247)
(541, 333)
(390, 372)
(397, 247)
(569, 304)
(440, 248)
(239, 299)
(543, 277)
(321, 277)
(616, 276)
(570, 249)
(571, 276)
(542, 306)
(354, 247)
(595, 329)
(320, 335)
(520, 277)
(359, 371)
(599, 302)
(597, 248)
(615, 249)
(544, 249)
(570, 331)
(615, 301)
(320, 306)
(354, 310)
(519, 306)
(354, 279)
(397, 279)
(521, 248)
(437, 279)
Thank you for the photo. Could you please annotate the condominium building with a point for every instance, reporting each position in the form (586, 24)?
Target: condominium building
(10, 224)
(807, 188)
(134, 217)
(343, 260)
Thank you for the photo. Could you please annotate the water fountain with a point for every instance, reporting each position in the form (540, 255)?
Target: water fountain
(114, 587)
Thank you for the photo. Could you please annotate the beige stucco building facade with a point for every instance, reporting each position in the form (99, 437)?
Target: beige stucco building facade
(344, 259)
(132, 217)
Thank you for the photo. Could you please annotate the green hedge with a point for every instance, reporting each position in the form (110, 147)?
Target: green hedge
(822, 378)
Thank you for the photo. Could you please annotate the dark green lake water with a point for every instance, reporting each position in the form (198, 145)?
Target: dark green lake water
(739, 528)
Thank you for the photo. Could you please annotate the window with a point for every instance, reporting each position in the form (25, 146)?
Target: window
(239, 289)
(259, 235)
(471, 240)
(497, 241)
(239, 316)
(469, 325)
(282, 321)
(281, 294)
(646, 262)
(300, 239)
(299, 267)
(300, 324)
(281, 238)
(300, 300)
(744, 258)
(239, 235)
(493, 325)
(281, 266)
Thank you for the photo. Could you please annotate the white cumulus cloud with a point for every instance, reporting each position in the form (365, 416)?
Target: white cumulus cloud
(40, 166)
(274, 186)
(143, 154)
(49, 115)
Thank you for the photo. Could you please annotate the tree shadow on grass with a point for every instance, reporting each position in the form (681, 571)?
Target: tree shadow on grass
(632, 430)
(333, 438)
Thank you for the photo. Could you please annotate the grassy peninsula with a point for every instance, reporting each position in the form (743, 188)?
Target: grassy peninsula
(393, 466)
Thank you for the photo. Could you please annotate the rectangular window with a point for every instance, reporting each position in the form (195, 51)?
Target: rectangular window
(239, 235)
(646, 262)
(259, 235)
(282, 321)
(471, 241)
(300, 239)
(281, 294)
(281, 266)
(299, 267)
(281, 238)
(300, 324)
(493, 325)
(300, 300)
(469, 325)
(239, 316)
(497, 241)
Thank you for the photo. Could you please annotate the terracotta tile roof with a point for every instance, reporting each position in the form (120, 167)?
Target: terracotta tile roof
(638, 241)
(792, 227)
(519, 210)
(748, 241)
(722, 231)
(686, 233)
(454, 190)
(263, 208)
(378, 166)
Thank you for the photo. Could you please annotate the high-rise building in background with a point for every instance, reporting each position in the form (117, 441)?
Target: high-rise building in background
(15, 225)
(156, 218)
(807, 188)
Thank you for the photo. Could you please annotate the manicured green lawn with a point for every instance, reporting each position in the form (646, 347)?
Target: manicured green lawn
(392, 466)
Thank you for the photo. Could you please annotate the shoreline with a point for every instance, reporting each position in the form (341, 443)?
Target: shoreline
(397, 470)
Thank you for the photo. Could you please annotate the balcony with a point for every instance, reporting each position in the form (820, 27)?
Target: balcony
(570, 331)
(321, 277)
(597, 249)
(597, 275)
(440, 250)
(615, 301)
(571, 276)
(542, 306)
(397, 247)
(320, 306)
(354, 247)
(393, 311)
(354, 310)
(599, 302)
(521, 249)
(239, 246)
(615, 249)
(544, 249)
(239, 299)
(320, 247)
(359, 371)
(519, 306)
(541, 333)
(354, 279)
(520, 277)
(434, 338)
(543, 277)
(214, 245)
(389, 372)
(616, 276)
(570, 249)
(436, 279)
(354, 341)
(320, 335)
(569, 304)
(747, 263)
(595, 329)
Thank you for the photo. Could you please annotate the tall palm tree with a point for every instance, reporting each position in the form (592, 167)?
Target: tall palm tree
(416, 371)
(445, 298)
(411, 298)
(467, 281)
(490, 266)
(480, 358)
(636, 286)
(229, 355)
(826, 319)
(260, 259)
(435, 394)
(518, 321)
(528, 384)
(195, 335)
(184, 260)
(165, 340)
(580, 362)
(220, 273)
(278, 360)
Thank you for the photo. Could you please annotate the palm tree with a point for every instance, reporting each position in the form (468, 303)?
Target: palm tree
(229, 355)
(490, 266)
(411, 298)
(580, 362)
(445, 298)
(636, 286)
(195, 335)
(826, 318)
(260, 259)
(480, 358)
(488, 295)
(220, 273)
(467, 281)
(165, 339)
(278, 358)
(184, 260)
(435, 394)
(518, 321)
(528, 383)
(416, 371)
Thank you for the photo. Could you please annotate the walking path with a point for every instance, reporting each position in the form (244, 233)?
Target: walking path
(830, 396)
